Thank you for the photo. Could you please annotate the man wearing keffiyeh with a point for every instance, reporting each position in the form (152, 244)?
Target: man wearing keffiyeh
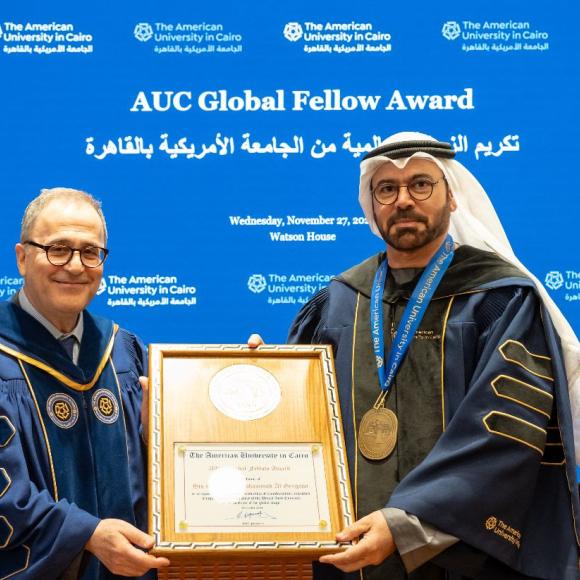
(459, 379)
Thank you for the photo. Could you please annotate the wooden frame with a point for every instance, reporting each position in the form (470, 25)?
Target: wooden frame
(308, 412)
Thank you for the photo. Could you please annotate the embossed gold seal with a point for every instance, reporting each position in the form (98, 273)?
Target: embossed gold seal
(377, 433)
(245, 392)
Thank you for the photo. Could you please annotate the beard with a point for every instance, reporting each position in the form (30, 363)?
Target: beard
(413, 237)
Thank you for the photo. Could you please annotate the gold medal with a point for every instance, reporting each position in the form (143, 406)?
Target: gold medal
(377, 433)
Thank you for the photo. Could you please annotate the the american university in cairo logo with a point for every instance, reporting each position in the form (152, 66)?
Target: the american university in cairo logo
(293, 31)
(554, 280)
(62, 410)
(105, 406)
(491, 523)
(143, 31)
(257, 283)
(451, 30)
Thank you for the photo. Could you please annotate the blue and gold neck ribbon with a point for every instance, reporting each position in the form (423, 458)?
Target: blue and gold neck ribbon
(412, 316)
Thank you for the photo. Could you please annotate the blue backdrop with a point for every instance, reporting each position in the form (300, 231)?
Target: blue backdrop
(224, 140)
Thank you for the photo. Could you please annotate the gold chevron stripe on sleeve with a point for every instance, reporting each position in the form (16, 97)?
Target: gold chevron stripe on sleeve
(523, 393)
(536, 364)
(7, 436)
(553, 454)
(20, 552)
(6, 483)
(6, 533)
(516, 429)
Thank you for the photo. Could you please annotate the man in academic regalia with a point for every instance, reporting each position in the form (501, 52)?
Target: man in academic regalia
(456, 373)
(72, 464)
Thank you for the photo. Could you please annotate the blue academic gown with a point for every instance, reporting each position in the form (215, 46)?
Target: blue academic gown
(485, 449)
(70, 450)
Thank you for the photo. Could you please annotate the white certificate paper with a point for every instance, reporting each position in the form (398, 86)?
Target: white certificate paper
(237, 487)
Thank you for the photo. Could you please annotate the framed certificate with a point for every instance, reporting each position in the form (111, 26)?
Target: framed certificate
(247, 463)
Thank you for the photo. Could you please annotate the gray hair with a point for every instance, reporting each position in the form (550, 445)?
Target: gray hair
(34, 208)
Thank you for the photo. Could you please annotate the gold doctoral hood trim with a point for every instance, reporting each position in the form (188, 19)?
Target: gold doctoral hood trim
(60, 376)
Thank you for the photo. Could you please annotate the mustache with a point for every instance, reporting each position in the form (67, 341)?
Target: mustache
(405, 215)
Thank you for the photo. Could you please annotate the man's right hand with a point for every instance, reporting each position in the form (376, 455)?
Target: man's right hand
(116, 544)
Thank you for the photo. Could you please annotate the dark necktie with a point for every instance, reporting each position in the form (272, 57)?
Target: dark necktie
(68, 344)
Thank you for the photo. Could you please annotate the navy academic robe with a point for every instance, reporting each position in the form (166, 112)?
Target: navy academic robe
(485, 449)
(70, 450)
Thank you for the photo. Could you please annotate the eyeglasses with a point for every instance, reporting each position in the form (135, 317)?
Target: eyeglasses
(61, 254)
(420, 189)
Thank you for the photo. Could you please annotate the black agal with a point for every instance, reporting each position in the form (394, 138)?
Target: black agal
(407, 148)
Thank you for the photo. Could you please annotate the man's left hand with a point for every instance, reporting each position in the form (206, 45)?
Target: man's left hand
(375, 544)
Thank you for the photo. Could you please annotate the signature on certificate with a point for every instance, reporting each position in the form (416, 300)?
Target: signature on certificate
(253, 513)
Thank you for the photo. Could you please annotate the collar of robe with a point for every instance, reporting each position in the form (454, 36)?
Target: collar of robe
(470, 270)
(24, 338)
